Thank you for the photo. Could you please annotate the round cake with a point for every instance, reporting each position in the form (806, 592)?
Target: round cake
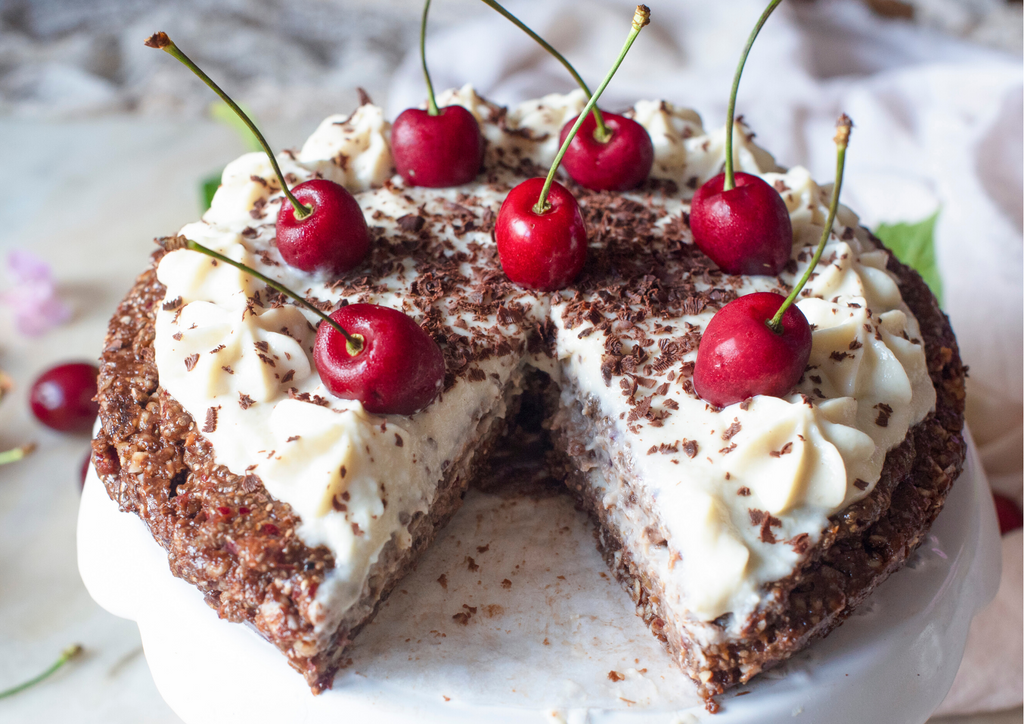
(741, 533)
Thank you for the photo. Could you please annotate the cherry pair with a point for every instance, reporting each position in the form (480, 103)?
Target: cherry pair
(442, 147)
(364, 352)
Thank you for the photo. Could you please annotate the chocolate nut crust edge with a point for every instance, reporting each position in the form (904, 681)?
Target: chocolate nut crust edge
(251, 566)
(863, 545)
(223, 533)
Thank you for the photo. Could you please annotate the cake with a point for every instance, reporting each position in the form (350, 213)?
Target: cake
(741, 533)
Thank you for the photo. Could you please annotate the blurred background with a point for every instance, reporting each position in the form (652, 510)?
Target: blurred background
(105, 144)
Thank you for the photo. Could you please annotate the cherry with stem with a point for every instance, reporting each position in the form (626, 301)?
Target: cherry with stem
(387, 362)
(322, 228)
(760, 343)
(438, 147)
(610, 152)
(540, 232)
(66, 655)
(737, 219)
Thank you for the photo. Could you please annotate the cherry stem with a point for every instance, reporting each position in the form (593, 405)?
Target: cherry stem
(843, 127)
(160, 41)
(641, 17)
(730, 177)
(66, 656)
(354, 342)
(431, 101)
(601, 133)
(13, 456)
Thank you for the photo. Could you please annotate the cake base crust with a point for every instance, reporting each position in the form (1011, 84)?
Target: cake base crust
(222, 532)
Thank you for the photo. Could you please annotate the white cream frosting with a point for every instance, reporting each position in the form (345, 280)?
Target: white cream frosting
(829, 447)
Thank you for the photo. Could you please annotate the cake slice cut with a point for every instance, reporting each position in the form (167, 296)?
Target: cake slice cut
(741, 533)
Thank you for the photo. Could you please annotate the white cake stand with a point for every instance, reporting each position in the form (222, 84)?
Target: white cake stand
(531, 628)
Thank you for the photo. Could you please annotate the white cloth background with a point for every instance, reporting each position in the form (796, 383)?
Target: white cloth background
(938, 126)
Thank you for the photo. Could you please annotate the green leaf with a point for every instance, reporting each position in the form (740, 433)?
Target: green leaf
(222, 113)
(208, 187)
(914, 245)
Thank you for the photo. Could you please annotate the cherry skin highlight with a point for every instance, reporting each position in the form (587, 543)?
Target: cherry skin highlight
(437, 151)
(620, 163)
(541, 251)
(745, 230)
(399, 370)
(740, 356)
(61, 398)
(333, 238)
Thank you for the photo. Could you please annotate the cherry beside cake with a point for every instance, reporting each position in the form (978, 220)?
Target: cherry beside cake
(742, 530)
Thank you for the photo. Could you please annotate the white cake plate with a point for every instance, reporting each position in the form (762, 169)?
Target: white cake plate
(526, 625)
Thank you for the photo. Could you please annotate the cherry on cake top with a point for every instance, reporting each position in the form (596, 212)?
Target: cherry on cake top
(737, 219)
(610, 152)
(381, 357)
(760, 343)
(540, 232)
(322, 228)
(436, 147)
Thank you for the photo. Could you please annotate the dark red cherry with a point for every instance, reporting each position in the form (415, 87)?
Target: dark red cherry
(61, 398)
(620, 163)
(333, 238)
(399, 370)
(740, 356)
(745, 230)
(437, 151)
(541, 251)
(1009, 515)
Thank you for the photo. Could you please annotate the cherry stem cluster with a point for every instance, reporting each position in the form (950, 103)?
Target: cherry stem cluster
(641, 17)
(13, 456)
(160, 41)
(730, 177)
(354, 342)
(843, 128)
(431, 100)
(601, 133)
(66, 656)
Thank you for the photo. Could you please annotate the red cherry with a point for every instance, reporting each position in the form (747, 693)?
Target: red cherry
(333, 238)
(437, 151)
(541, 251)
(620, 163)
(745, 230)
(1009, 515)
(740, 356)
(399, 370)
(61, 398)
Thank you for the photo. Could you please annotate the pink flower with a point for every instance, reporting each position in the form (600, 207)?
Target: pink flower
(33, 294)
